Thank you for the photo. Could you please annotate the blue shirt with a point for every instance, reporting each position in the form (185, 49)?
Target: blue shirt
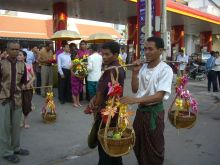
(30, 59)
(210, 63)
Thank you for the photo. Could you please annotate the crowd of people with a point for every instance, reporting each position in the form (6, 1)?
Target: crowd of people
(22, 68)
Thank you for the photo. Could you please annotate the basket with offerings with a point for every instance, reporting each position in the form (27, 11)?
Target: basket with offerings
(119, 139)
(183, 111)
(48, 112)
(80, 68)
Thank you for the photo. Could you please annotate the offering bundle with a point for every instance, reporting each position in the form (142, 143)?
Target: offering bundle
(48, 112)
(118, 140)
(80, 68)
(184, 109)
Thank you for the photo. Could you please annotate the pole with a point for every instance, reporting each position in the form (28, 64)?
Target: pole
(148, 22)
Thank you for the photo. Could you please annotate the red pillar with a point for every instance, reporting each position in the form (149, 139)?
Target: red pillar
(132, 34)
(157, 18)
(178, 36)
(59, 18)
(206, 40)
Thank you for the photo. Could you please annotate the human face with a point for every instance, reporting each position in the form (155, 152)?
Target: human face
(35, 49)
(49, 47)
(152, 53)
(83, 45)
(20, 57)
(108, 57)
(13, 50)
(66, 48)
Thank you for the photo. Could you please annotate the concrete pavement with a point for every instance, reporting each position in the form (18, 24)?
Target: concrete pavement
(65, 142)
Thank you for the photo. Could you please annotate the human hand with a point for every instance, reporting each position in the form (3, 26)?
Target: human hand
(137, 66)
(128, 100)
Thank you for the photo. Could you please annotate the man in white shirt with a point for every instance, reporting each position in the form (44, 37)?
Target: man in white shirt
(123, 55)
(152, 84)
(64, 65)
(94, 70)
(183, 60)
(30, 55)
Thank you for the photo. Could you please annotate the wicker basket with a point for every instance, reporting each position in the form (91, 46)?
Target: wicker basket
(183, 120)
(117, 147)
(49, 117)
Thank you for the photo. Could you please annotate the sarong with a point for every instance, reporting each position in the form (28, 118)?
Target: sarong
(26, 101)
(149, 144)
(77, 86)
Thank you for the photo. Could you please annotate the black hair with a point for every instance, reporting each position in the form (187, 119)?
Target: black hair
(217, 52)
(181, 51)
(11, 42)
(25, 55)
(83, 41)
(64, 43)
(158, 41)
(47, 44)
(94, 47)
(114, 47)
(25, 44)
(212, 53)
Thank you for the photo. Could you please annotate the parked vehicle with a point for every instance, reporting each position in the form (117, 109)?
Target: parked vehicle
(197, 72)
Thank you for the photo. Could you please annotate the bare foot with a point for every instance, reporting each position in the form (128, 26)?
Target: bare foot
(75, 105)
(26, 126)
(79, 104)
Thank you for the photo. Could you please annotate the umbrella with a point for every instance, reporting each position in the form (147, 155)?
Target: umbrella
(65, 35)
(99, 38)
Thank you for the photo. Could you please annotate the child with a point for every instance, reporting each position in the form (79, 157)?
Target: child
(27, 92)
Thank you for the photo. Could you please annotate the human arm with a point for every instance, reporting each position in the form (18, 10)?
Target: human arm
(90, 65)
(59, 66)
(33, 77)
(134, 79)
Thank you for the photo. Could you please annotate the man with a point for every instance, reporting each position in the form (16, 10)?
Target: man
(183, 60)
(30, 55)
(210, 69)
(123, 55)
(45, 55)
(64, 64)
(110, 52)
(152, 84)
(94, 70)
(12, 77)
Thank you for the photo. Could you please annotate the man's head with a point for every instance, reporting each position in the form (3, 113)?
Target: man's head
(48, 46)
(73, 47)
(122, 50)
(66, 48)
(13, 49)
(181, 52)
(153, 48)
(83, 45)
(212, 53)
(110, 52)
(94, 48)
(35, 49)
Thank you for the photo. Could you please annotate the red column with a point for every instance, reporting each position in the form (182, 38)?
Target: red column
(206, 40)
(177, 36)
(59, 18)
(132, 34)
(157, 17)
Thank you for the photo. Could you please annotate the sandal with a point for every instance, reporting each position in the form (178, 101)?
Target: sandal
(22, 152)
(12, 158)
(26, 126)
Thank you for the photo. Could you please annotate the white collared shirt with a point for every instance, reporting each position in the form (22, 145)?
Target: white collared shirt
(30, 59)
(153, 80)
(63, 61)
(183, 59)
(94, 67)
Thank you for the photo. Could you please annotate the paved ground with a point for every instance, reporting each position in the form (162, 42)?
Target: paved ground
(64, 142)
